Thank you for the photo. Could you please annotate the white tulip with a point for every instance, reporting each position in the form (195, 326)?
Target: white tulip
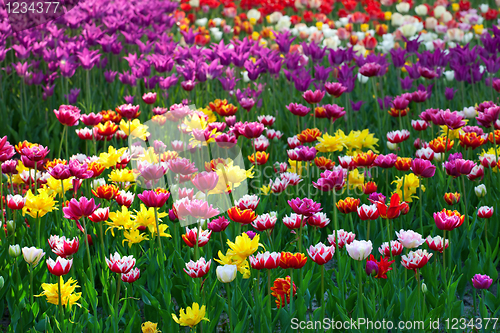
(449, 75)
(253, 14)
(403, 7)
(363, 79)
(446, 17)
(429, 46)
(275, 17)
(201, 22)
(421, 10)
(392, 146)
(226, 273)
(470, 112)
(480, 190)
(14, 251)
(408, 30)
(484, 8)
(396, 19)
(32, 255)
(438, 11)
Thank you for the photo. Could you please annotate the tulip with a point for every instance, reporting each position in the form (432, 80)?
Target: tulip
(265, 221)
(119, 264)
(370, 69)
(149, 98)
(205, 181)
(422, 168)
(398, 136)
(292, 260)
(226, 273)
(32, 255)
(481, 281)
(131, 276)
(436, 243)
(91, 119)
(313, 97)
(59, 267)
(319, 220)
(419, 125)
(100, 215)
(306, 207)
(14, 251)
(371, 268)
(359, 250)
(335, 89)
(124, 198)
(267, 260)
(191, 235)
(77, 209)
(68, 115)
(248, 202)
(485, 212)
(415, 259)
(396, 249)
(448, 220)
(153, 198)
(480, 190)
(409, 238)
(368, 212)
(344, 238)
(64, 247)
(15, 202)
(452, 198)
(385, 161)
(320, 253)
(197, 269)
(475, 173)
(218, 225)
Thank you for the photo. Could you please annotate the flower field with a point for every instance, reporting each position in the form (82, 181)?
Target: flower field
(250, 166)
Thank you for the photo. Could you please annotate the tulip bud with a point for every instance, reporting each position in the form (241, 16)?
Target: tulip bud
(480, 190)
(371, 268)
(470, 112)
(392, 146)
(424, 288)
(11, 227)
(250, 234)
(226, 273)
(438, 157)
(14, 251)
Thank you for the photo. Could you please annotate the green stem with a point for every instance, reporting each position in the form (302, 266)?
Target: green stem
(444, 258)
(269, 291)
(229, 310)
(360, 289)
(421, 203)
(88, 250)
(117, 296)
(31, 283)
(60, 305)
(160, 248)
(62, 139)
(322, 291)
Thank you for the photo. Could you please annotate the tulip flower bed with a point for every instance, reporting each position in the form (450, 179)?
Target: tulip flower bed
(251, 167)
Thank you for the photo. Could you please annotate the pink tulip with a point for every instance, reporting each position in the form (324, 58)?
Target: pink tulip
(197, 269)
(344, 238)
(68, 115)
(320, 253)
(205, 181)
(410, 239)
(119, 264)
